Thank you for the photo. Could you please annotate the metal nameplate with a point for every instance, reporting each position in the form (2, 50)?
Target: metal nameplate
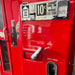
(46, 10)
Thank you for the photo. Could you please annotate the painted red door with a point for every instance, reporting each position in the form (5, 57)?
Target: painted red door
(14, 52)
(5, 60)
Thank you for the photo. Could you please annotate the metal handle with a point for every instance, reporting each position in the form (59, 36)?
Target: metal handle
(4, 33)
(33, 57)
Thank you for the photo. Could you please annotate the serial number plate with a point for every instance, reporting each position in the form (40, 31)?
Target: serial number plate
(46, 10)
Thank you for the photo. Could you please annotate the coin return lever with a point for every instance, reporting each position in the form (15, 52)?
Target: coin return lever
(33, 57)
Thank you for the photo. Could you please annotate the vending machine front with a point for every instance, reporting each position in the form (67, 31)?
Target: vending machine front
(40, 36)
(46, 34)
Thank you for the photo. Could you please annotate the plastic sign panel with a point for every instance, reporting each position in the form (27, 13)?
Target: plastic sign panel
(46, 10)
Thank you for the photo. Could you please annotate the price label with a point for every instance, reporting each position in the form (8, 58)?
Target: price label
(41, 9)
(46, 10)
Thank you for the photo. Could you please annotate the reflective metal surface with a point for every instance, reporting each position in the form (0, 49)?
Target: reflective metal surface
(1, 18)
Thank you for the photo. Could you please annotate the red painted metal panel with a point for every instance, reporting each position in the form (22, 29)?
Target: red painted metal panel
(6, 39)
(56, 33)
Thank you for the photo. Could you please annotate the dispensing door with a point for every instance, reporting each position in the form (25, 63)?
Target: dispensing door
(5, 60)
(11, 18)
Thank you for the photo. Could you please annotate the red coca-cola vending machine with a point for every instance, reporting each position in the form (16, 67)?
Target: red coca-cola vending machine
(38, 37)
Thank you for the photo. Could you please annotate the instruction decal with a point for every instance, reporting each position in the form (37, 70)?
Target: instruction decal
(46, 10)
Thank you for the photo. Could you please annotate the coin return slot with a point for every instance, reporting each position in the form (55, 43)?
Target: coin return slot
(27, 55)
(51, 68)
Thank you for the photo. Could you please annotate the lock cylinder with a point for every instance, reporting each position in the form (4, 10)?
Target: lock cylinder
(51, 68)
